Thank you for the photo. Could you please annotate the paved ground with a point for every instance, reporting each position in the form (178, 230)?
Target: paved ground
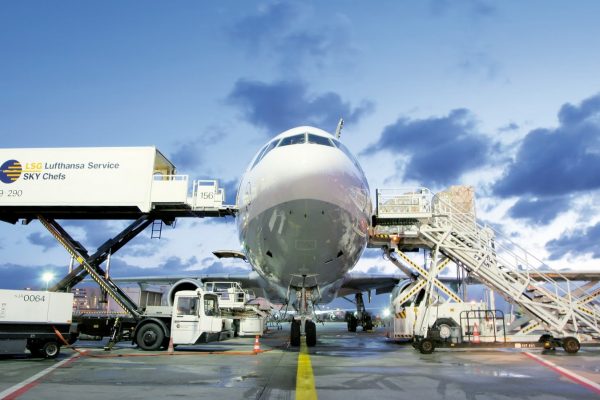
(344, 366)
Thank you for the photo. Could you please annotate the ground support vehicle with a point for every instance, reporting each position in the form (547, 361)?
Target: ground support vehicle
(239, 316)
(194, 318)
(30, 319)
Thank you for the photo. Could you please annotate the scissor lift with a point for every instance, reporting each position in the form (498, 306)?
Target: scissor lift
(206, 201)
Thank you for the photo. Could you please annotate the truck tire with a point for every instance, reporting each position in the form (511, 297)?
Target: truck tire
(150, 337)
(50, 349)
(571, 345)
(426, 346)
(311, 333)
(295, 333)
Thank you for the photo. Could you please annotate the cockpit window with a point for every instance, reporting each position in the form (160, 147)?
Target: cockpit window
(296, 139)
(316, 139)
(270, 147)
(264, 152)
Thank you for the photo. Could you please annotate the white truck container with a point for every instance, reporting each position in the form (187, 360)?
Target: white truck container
(28, 320)
(89, 177)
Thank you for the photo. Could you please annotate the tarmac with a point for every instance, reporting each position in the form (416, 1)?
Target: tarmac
(343, 365)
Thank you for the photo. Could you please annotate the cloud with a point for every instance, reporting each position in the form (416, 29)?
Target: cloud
(579, 242)
(189, 154)
(480, 64)
(14, 276)
(376, 270)
(277, 31)
(372, 253)
(45, 241)
(217, 267)
(281, 105)
(554, 162)
(258, 30)
(508, 127)
(439, 149)
(538, 211)
(96, 233)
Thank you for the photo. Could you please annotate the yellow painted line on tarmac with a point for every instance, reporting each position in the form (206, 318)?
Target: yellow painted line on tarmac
(305, 380)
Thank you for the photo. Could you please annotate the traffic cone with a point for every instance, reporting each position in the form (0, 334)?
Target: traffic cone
(256, 345)
(171, 348)
(476, 338)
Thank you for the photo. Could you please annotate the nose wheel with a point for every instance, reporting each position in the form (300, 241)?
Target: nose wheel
(295, 333)
(310, 332)
(304, 325)
(310, 329)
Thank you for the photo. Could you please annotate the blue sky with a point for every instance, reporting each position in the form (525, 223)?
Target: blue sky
(504, 96)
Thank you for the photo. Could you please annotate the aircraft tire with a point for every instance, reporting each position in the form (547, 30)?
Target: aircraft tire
(311, 333)
(352, 324)
(295, 333)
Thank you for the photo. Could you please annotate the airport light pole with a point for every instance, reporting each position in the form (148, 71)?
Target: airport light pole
(47, 277)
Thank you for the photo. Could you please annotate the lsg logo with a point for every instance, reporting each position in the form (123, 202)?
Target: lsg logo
(10, 171)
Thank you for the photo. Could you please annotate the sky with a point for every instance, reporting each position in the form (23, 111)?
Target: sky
(503, 96)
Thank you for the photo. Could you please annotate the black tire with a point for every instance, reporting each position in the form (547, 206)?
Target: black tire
(150, 337)
(352, 324)
(547, 341)
(426, 346)
(311, 333)
(50, 349)
(544, 338)
(295, 333)
(571, 345)
(36, 353)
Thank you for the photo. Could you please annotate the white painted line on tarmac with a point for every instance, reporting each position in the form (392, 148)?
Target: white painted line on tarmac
(591, 385)
(21, 388)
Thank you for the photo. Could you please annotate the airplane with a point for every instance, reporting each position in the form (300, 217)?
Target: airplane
(304, 208)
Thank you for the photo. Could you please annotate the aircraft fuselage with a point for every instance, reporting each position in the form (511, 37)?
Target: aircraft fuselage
(304, 209)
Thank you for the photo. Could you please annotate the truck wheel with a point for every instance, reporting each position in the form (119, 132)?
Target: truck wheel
(311, 333)
(295, 333)
(426, 346)
(547, 341)
(150, 337)
(571, 345)
(50, 350)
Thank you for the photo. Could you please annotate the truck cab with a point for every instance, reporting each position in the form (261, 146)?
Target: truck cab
(194, 318)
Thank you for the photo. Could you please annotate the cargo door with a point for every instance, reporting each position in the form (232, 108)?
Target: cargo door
(185, 327)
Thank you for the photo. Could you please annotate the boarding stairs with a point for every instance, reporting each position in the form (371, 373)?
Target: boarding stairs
(416, 218)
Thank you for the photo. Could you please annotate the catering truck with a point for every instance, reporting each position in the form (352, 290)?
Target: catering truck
(30, 319)
(193, 318)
